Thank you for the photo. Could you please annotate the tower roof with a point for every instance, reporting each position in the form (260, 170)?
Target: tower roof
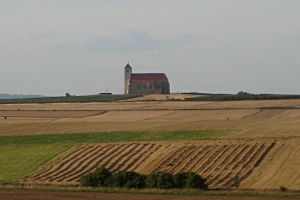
(128, 66)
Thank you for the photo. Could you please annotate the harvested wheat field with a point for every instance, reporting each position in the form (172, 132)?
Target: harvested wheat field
(49, 113)
(221, 162)
(171, 115)
(246, 122)
(142, 105)
(77, 106)
(282, 168)
(265, 118)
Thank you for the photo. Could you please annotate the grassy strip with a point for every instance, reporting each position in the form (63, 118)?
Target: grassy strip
(104, 137)
(243, 96)
(70, 99)
(257, 193)
(19, 160)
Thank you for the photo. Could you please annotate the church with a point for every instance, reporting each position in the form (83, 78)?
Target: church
(145, 83)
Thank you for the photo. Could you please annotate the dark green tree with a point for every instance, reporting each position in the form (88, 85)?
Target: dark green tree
(162, 180)
(128, 180)
(98, 178)
(195, 181)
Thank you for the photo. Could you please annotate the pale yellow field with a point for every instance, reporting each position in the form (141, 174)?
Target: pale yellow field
(218, 161)
(49, 113)
(280, 169)
(150, 105)
(247, 117)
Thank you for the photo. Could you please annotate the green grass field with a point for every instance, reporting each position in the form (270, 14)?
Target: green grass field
(19, 160)
(70, 99)
(105, 137)
(21, 155)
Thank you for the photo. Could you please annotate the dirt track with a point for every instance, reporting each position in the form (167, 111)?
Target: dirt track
(38, 195)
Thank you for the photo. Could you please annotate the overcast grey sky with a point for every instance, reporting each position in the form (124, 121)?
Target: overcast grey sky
(52, 47)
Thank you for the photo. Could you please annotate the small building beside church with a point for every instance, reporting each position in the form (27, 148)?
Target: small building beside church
(145, 83)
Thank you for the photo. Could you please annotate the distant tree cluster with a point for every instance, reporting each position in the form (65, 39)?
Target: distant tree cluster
(102, 177)
(68, 94)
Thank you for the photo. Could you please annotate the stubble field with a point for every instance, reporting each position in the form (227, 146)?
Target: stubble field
(269, 118)
(255, 164)
(220, 162)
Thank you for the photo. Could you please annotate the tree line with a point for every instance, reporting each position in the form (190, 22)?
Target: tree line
(102, 177)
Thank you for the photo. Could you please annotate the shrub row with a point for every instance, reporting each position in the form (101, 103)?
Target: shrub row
(70, 99)
(102, 177)
(242, 96)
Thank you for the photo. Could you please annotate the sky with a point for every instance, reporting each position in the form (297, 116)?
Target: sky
(51, 47)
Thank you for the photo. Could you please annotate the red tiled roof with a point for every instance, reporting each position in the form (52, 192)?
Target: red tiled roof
(148, 77)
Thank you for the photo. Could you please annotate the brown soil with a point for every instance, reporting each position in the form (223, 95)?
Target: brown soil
(219, 161)
(40, 195)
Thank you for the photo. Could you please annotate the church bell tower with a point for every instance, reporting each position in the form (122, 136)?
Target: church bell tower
(128, 72)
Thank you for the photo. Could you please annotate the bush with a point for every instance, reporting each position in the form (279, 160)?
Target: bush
(127, 179)
(151, 180)
(283, 189)
(180, 179)
(137, 182)
(89, 181)
(165, 180)
(241, 96)
(162, 180)
(97, 178)
(102, 177)
(189, 180)
(195, 181)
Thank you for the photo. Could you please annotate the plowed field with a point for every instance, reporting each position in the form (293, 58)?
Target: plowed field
(219, 161)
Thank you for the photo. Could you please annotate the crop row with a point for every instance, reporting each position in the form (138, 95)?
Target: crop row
(222, 164)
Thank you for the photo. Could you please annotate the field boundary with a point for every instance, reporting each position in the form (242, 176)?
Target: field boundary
(158, 109)
(184, 192)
